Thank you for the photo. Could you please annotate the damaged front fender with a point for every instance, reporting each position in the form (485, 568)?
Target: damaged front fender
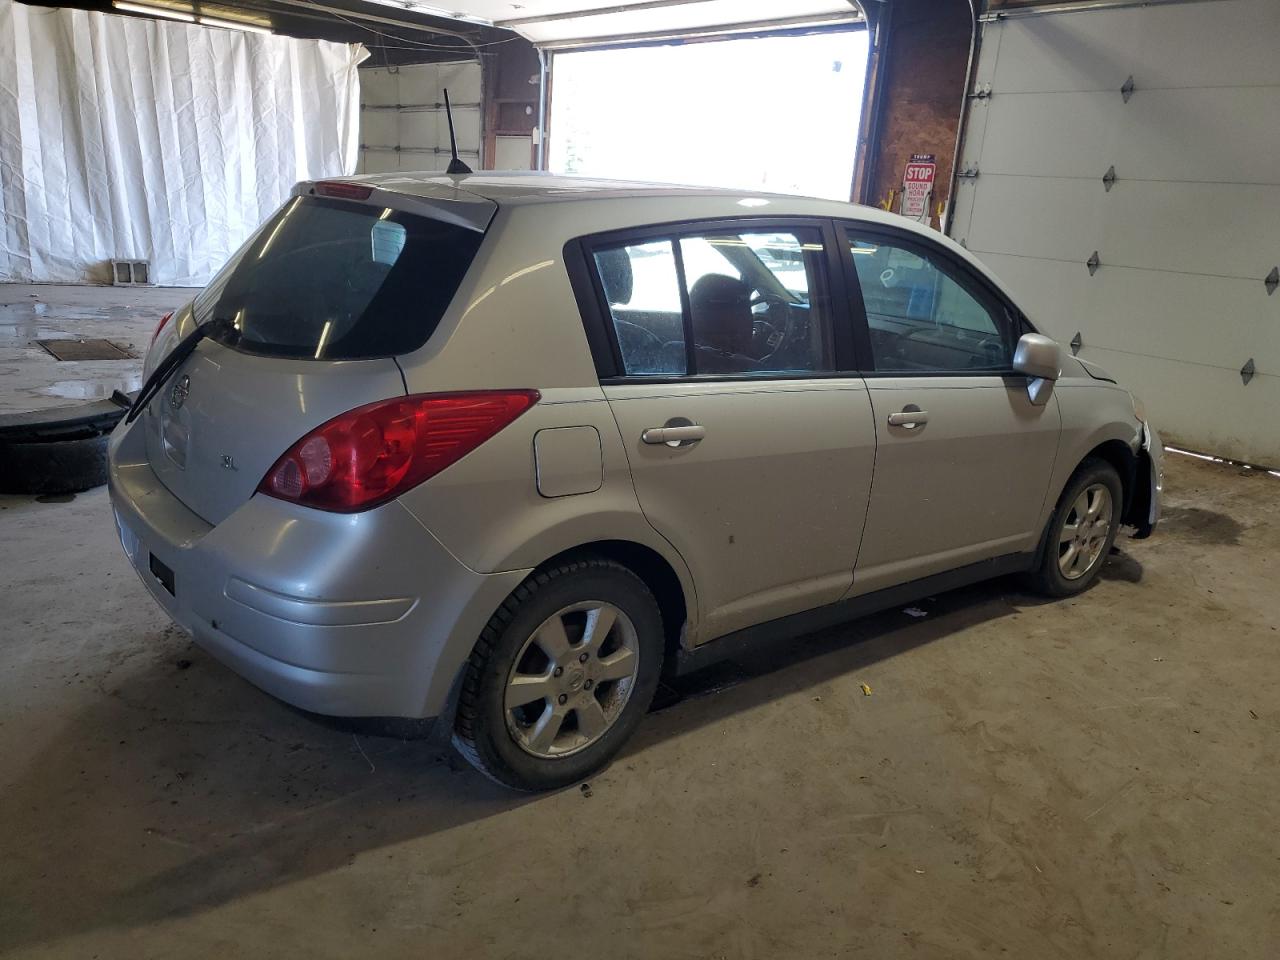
(1148, 486)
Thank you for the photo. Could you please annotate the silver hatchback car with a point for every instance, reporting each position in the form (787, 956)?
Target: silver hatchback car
(502, 450)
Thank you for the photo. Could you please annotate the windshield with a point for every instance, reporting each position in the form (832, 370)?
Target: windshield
(334, 280)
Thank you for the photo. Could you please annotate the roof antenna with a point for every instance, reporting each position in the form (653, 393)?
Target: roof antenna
(456, 167)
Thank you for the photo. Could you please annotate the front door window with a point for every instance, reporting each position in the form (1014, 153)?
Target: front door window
(920, 317)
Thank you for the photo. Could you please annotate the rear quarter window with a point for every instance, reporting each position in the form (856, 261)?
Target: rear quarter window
(336, 280)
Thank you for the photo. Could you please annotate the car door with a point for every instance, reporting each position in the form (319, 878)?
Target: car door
(963, 457)
(750, 450)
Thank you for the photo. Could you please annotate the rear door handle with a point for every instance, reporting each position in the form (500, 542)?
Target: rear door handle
(674, 436)
(910, 418)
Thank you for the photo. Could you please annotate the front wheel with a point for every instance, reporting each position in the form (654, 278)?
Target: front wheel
(561, 676)
(1081, 531)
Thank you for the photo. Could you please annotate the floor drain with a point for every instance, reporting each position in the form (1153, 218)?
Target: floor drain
(85, 350)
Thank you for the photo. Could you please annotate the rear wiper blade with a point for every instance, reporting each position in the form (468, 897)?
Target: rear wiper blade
(164, 369)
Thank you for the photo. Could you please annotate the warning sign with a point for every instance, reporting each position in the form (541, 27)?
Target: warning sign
(917, 186)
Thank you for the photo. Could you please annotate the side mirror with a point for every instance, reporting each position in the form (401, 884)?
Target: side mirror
(1040, 359)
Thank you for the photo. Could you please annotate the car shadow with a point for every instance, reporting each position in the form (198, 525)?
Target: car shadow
(1122, 566)
(182, 787)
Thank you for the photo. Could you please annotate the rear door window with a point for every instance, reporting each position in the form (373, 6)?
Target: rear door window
(642, 287)
(336, 280)
(720, 303)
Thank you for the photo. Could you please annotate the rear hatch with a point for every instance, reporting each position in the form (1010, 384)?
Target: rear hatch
(315, 307)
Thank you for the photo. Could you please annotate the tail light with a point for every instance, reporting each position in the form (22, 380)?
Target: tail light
(160, 326)
(374, 453)
(343, 191)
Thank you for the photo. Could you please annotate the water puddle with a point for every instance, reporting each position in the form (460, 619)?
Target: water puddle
(20, 322)
(20, 312)
(98, 388)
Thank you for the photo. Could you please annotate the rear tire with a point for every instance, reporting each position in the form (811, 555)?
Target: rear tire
(1080, 532)
(561, 676)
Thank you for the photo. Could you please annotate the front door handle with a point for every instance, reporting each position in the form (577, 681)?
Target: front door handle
(676, 436)
(910, 417)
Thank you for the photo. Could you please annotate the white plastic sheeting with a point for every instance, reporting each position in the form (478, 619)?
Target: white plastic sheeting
(133, 138)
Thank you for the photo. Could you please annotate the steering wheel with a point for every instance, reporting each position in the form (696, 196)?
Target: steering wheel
(775, 327)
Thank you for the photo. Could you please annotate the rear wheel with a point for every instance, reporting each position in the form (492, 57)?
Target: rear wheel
(561, 676)
(1081, 531)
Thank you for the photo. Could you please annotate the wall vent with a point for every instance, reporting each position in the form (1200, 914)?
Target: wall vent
(131, 273)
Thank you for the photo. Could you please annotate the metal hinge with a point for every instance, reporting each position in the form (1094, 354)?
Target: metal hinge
(1109, 178)
(1272, 281)
(1126, 91)
(969, 172)
(1093, 263)
(981, 92)
(1247, 372)
(1076, 343)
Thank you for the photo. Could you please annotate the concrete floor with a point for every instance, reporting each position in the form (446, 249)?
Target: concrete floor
(126, 316)
(1093, 778)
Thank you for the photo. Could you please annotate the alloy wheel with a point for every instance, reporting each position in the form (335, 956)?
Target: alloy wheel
(1084, 531)
(571, 679)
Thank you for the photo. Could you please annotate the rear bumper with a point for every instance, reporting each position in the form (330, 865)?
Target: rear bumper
(342, 614)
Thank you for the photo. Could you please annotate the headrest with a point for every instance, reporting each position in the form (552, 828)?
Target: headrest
(715, 293)
(615, 274)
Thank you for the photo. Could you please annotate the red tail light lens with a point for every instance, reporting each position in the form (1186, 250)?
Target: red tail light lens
(374, 453)
(160, 326)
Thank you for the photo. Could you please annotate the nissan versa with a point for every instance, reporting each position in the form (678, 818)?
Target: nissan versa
(501, 450)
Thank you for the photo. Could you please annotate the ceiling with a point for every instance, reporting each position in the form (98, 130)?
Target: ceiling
(416, 31)
(393, 34)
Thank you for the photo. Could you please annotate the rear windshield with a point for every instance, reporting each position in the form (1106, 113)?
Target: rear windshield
(334, 280)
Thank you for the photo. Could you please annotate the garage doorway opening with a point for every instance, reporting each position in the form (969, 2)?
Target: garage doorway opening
(776, 113)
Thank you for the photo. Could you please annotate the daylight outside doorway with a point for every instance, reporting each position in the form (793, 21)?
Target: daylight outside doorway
(776, 114)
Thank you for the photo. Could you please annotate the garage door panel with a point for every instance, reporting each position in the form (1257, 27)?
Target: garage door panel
(432, 129)
(1052, 134)
(1203, 408)
(1230, 42)
(1224, 134)
(380, 127)
(379, 161)
(462, 81)
(1203, 320)
(993, 37)
(1060, 53)
(1180, 226)
(1190, 228)
(1017, 223)
(1162, 135)
(975, 133)
(962, 208)
(420, 84)
(1155, 226)
(421, 132)
(379, 87)
(1206, 320)
(1048, 291)
(409, 118)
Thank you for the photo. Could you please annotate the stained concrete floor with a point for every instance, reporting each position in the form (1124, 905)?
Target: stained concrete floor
(1092, 778)
(29, 312)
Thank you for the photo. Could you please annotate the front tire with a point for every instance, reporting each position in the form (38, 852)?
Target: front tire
(1081, 531)
(561, 676)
